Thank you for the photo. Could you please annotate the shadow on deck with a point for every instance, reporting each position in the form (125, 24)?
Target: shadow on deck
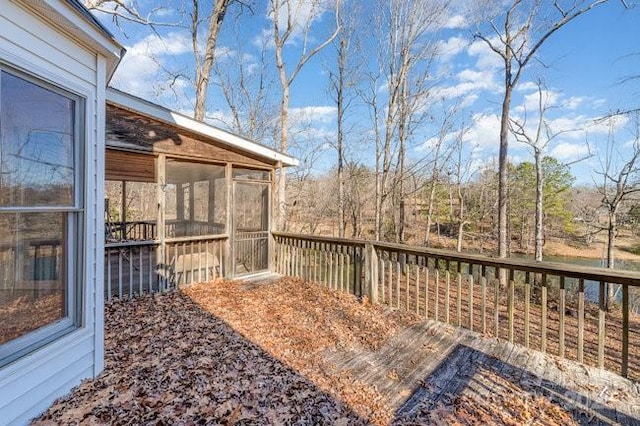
(434, 369)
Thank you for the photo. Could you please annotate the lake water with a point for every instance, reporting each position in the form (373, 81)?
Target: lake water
(592, 288)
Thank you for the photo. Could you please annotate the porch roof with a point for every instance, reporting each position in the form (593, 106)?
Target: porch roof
(210, 133)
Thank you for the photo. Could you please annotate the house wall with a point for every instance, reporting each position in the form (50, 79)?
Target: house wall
(37, 46)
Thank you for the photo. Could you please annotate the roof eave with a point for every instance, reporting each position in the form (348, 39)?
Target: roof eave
(157, 112)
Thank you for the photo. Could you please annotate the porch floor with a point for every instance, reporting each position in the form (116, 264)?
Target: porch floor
(280, 351)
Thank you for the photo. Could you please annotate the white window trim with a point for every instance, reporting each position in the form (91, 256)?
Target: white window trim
(74, 318)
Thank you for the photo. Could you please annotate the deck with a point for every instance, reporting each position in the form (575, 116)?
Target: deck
(432, 365)
(279, 350)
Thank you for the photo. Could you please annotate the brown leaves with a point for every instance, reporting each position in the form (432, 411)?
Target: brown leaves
(228, 353)
(168, 361)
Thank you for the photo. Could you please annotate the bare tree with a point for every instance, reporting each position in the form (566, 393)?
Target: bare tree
(406, 50)
(542, 136)
(289, 22)
(516, 36)
(247, 88)
(121, 10)
(620, 176)
(341, 81)
(205, 56)
(462, 173)
(441, 153)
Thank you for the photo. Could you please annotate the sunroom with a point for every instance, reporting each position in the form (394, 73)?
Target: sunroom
(184, 202)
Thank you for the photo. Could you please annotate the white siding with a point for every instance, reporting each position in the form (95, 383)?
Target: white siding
(29, 385)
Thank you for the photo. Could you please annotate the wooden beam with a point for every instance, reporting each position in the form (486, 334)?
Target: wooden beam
(229, 243)
(161, 267)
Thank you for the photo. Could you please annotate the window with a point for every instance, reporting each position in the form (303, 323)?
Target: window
(40, 213)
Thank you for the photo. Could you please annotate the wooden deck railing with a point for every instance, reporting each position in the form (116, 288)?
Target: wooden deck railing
(137, 267)
(145, 230)
(551, 307)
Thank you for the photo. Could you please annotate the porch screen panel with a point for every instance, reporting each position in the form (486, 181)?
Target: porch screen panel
(195, 199)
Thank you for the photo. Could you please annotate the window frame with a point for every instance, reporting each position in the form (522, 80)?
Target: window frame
(73, 265)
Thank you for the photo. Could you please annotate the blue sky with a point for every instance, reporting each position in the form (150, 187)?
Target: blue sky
(583, 66)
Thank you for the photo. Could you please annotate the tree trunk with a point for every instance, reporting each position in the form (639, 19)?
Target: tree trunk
(284, 133)
(611, 238)
(203, 68)
(539, 194)
(340, 146)
(461, 220)
(432, 196)
(503, 169)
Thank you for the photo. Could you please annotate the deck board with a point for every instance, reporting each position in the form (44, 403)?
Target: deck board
(432, 363)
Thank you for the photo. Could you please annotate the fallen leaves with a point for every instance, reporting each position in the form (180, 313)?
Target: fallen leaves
(230, 353)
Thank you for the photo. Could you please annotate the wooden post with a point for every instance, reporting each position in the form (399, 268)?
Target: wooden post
(459, 294)
(161, 267)
(398, 274)
(510, 304)
(527, 310)
(417, 295)
(561, 321)
(447, 294)
(483, 297)
(581, 320)
(228, 246)
(371, 272)
(625, 331)
(543, 320)
(426, 289)
(123, 212)
(602, 309)
(437, 291)
(382, 283)
(470, 278)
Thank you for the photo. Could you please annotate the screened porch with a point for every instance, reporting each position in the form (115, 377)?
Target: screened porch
(180, 207)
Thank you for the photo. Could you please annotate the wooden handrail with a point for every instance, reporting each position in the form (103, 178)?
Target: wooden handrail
(616, 276)
(527, 302)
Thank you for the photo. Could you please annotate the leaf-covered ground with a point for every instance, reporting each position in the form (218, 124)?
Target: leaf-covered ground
(236, 353)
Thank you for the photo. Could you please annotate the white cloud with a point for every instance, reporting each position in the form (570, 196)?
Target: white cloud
(301, 13)
(485, 131)
(456, 22)
(566, 152)
(486, 58)
(313, 114)
(526, 86)
(574, 102)
(469, 82)
(531, 102)
(139, 71)
(451, 47)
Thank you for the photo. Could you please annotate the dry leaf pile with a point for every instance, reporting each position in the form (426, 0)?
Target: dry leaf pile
(237, 353)
(170, 362)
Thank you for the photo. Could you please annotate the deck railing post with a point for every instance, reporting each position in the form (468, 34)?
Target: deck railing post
(371, 272)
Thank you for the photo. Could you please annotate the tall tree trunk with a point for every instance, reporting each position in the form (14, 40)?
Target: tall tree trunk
(461, 220)
(503, 169)
(611, 243)
(539, 194)
(432, 198)
(284, 135)
(340, 147)
(204, 65)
